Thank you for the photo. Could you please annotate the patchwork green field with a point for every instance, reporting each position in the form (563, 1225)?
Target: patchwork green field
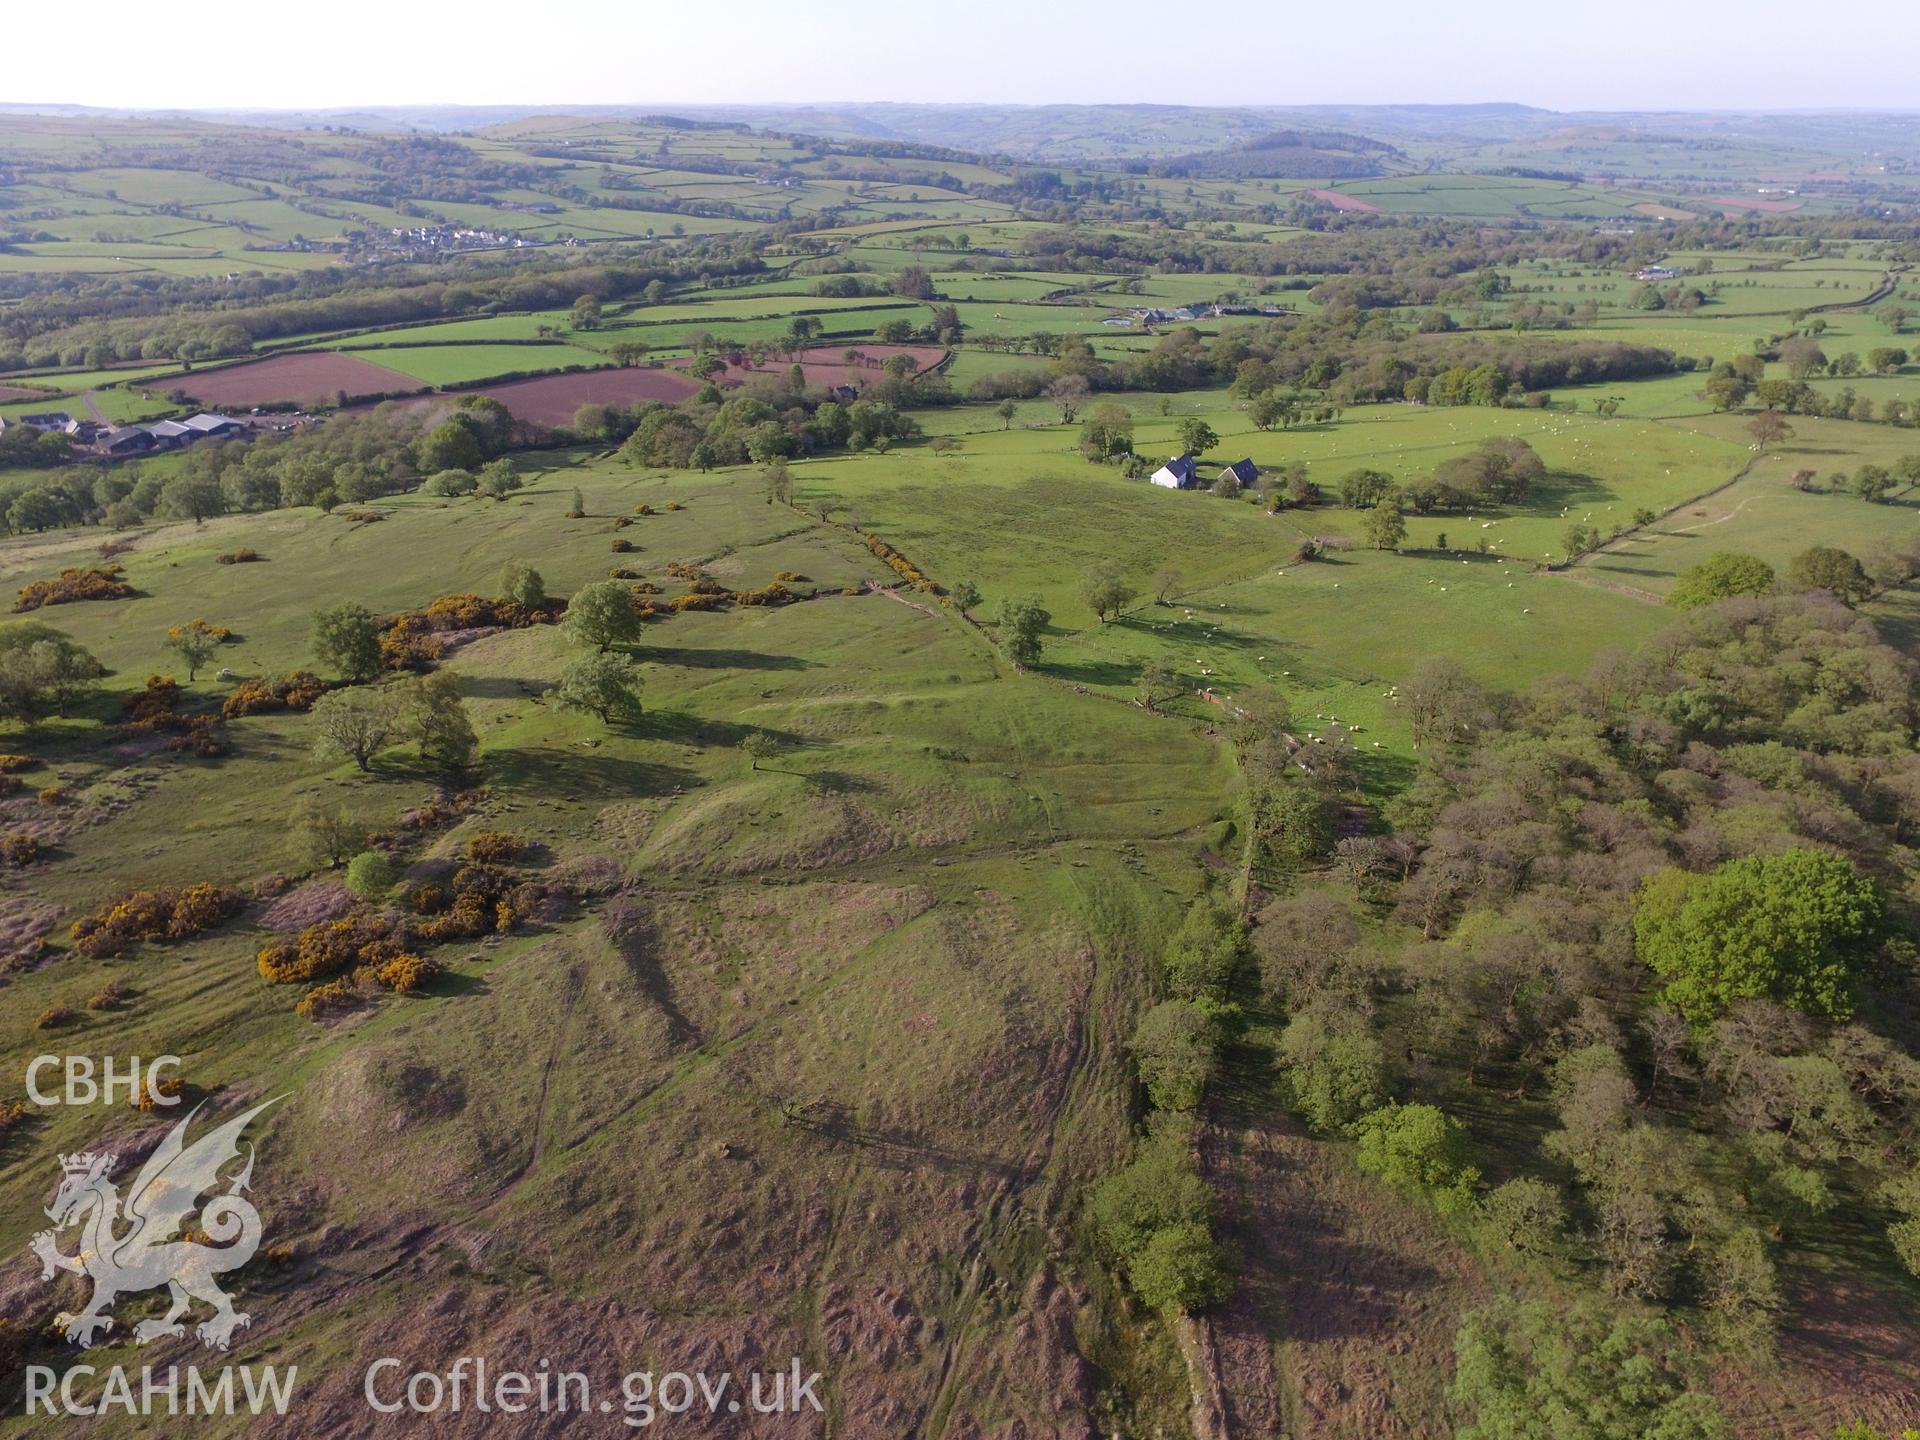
(720, 861)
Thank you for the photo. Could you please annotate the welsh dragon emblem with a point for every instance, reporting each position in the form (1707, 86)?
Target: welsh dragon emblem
(145, 1243)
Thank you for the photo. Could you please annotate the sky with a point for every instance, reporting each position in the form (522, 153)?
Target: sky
(1618, 55)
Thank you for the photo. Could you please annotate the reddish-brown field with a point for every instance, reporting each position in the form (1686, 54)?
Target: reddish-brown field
(552, 399)
(21, 392)
(828, 364)
(1343, 202)
(315, 377)
(1771, 207)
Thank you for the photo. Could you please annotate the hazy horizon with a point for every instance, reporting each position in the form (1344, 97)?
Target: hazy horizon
(1636, 56)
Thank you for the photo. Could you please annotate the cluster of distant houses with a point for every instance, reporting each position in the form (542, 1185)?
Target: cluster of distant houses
(1182, 472)
(1186, 314)
(1655, 274)
(457, 237)
(416, 240)
(125, 440)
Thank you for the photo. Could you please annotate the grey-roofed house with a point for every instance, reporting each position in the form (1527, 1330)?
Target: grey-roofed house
(127, 440)
(1244, 471)
(52, 420)
(1178, 473)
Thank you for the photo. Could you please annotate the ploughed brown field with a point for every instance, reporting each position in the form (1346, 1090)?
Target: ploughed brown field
(10, 393)
(316, 377)
(1747, 202)
(552, 399)
(828, 365)
(1344, 202)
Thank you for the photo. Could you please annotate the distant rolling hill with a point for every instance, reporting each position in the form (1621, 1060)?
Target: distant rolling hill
(1294, 155)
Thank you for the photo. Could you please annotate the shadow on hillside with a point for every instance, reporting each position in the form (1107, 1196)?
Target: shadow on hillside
(836, 782)
(894, 1149)
(685, 729)
(502, 687)
(1471, 557)
(1899, 628)
(1569, 488)
(450, 983)
(1613, 569)
(723, 659)
(585, 773)
(1382, 773)
(1094, 672)
(1232, 639)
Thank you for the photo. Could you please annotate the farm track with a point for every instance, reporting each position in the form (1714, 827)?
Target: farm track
(1613, 547)
(536, 1149)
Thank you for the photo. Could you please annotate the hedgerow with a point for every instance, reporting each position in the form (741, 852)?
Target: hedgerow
(899, 563)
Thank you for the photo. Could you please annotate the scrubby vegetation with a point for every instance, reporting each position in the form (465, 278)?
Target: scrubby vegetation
(89, 582)
(163, 914)
(1135, 950)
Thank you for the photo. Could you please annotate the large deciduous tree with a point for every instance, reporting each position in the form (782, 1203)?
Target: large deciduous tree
(601, 615)
(346, 641)
(603, 685)
(1792, 928)
(1720, 575)
(41, 667)
(356, 724)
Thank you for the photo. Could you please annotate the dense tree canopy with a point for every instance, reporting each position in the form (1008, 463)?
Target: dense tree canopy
(1788, 927)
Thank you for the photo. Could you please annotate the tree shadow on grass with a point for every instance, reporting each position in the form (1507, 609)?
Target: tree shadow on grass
(721, 659)
(449, 984)
(1382, 773)
(836, 782)
(503, 687)
(586, 773)
(1565, 487)
(1094, 672)
(684, 729)
(1473, 557)
(890, 1148)
(1899, 628)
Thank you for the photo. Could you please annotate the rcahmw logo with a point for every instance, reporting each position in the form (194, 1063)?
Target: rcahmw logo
(142, 1242)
